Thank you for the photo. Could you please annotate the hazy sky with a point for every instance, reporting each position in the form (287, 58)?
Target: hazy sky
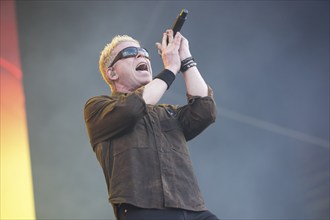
(267, 155)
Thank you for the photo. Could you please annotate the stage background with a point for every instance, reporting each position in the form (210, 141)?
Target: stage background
(267, 155)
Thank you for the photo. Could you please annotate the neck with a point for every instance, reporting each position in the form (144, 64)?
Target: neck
(123, 89)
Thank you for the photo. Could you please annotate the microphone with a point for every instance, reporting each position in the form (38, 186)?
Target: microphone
(179, 21)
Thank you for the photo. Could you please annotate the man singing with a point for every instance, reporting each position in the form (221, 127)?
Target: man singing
(142, 145)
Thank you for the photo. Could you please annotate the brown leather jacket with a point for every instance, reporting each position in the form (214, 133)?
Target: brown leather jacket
(143, 149)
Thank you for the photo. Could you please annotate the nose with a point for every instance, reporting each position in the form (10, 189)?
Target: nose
(140, 54)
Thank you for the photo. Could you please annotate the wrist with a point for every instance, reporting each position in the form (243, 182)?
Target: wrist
(173, 69)
(185, 56)
(167, 76)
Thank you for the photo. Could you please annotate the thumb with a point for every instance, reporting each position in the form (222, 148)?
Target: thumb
(159, 46)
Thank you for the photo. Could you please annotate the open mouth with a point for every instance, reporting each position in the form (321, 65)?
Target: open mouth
(142, 67)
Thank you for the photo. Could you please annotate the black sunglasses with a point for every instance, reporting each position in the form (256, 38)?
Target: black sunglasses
(130, 52)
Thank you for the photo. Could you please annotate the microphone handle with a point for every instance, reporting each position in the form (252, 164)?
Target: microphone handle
(179, 21)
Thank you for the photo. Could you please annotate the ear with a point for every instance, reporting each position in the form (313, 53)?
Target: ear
(112, 75)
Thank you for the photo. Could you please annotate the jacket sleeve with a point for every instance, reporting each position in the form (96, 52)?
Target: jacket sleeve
(107, 117)
(197, 115)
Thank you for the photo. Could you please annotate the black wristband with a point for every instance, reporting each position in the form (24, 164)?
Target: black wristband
(167, 76)
(187, 66)
(187, 63)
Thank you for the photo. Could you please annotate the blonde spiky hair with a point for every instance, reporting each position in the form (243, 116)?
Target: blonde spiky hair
(107, 57)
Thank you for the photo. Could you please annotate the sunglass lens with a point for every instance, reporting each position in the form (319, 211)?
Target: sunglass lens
(128, 52)
(144, 52)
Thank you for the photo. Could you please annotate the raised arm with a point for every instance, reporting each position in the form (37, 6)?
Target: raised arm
(195, 84)
(154, 90)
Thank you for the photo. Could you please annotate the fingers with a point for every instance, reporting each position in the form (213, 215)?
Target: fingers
(169, 51)
(169, 33)
(164, 40)
(177, 40)
(159, 47)
(167, 38)
(168, 41)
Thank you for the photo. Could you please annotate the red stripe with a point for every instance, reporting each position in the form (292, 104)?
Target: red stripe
(11, 68)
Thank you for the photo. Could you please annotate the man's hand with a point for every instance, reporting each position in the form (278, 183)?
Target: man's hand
(184, 50)
(170, 52)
